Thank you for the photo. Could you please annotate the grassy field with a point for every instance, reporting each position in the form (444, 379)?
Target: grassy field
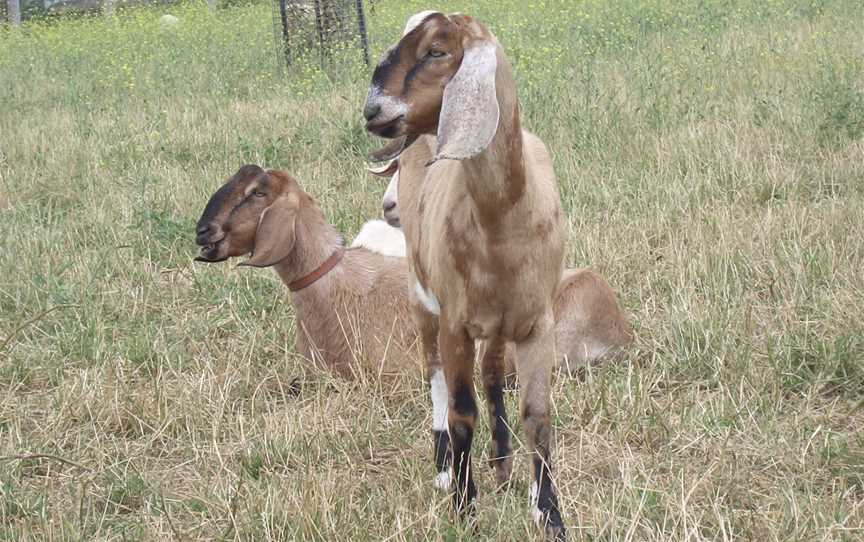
(711, 163)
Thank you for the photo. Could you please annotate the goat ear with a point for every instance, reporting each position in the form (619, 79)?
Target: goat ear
(274, 238)
(469, 112)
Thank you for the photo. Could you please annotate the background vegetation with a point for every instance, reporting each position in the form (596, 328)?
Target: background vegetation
(711, 163)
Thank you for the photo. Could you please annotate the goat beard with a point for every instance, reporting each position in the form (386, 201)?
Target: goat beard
(393, 149)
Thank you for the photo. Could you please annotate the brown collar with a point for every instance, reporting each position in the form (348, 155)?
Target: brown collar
(322, 270)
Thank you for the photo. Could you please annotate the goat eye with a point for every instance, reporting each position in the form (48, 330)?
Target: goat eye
(436, 54)
(258, 194)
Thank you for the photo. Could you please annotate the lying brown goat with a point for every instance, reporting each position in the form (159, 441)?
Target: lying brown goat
(351, 304)
(245, 215)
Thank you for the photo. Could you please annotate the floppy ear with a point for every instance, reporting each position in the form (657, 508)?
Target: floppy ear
(469, 112)
(274, 237)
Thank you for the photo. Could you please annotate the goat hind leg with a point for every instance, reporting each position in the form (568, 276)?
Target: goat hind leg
(535, 359)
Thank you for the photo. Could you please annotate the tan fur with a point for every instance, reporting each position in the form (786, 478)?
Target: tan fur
(496, 263)
(349, 319)
(590, 327)
(589, 324)
(484, 233)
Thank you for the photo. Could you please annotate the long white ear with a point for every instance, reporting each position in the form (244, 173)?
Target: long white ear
(469, 112)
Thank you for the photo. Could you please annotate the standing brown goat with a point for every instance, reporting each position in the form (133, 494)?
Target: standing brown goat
(484, 230)
(589, 324)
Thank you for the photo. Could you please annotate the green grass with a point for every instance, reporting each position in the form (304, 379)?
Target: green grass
(711, 163)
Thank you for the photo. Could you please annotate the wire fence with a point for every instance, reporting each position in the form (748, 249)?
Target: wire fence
(331, 33)
(302, 26)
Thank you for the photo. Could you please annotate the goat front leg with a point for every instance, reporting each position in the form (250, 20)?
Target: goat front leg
(535, 359)
(427, 325)
(493, 371)
(457, 357)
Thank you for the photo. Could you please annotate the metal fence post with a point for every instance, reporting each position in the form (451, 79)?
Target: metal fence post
(283, 16)
(301, 26)
(14, 7)
(361, 28)
(319, 28)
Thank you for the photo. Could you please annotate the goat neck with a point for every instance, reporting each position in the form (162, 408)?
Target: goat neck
(496, 177)
(315, 242)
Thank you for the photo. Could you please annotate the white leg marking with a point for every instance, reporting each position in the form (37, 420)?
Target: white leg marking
(533, 495)
(443, 480)
(438, 391)
(430, 303)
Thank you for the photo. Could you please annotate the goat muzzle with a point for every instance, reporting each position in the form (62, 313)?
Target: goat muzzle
(209, 253)
(371, 110)
(208, 237)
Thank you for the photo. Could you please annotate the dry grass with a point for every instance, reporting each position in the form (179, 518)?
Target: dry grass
(712, 165)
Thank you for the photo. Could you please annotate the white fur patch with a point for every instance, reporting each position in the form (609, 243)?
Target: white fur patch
(382, 238)
(429, 301)
(415, 20)
(443, 480)
(533, 496)
(390, 107)
(438, 391)
(391, 197)
(248, 190)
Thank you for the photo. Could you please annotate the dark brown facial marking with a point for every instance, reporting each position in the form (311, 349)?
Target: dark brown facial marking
(218, 201)
(227, 224)
(408, 83)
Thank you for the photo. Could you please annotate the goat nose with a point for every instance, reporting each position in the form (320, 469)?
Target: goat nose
(371, 110)
(389, 206)
(202, 229)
